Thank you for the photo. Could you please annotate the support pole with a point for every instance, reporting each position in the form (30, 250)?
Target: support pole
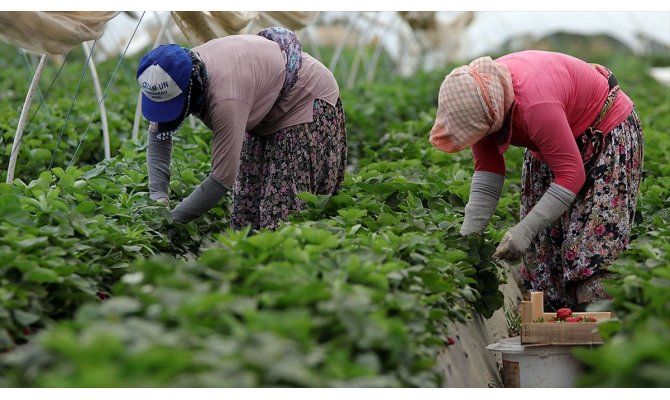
(136, 121)
(372, 65)
(343, 42)
(24, 117)
(98, 93)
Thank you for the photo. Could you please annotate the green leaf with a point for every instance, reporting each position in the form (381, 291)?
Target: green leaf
(31, 243)
(308, 198)
(66, 181)
(11, 211)
(132, 248)
(41, 275)
(25, 318)
(352, 213)
(58, 171)
(86, 207)
(121, 306)
(6, 341)
(94, 172)
(455, 255)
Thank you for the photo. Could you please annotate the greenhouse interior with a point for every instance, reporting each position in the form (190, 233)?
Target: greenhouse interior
(288, 199)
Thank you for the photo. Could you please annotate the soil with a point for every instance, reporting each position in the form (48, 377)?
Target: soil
(467, 363)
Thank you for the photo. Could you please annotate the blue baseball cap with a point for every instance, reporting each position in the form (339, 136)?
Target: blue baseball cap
(164, 74)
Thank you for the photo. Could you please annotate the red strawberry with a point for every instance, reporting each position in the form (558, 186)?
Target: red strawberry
(563, 313)
(573, 319)
(450, 341)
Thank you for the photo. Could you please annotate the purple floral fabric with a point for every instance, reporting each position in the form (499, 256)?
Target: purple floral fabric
(568, 260)
(289, 44)
(309, 157)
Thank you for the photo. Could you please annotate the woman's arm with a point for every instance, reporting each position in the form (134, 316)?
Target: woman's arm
(159, 153)
(487, 184)
(229, 119)
(549, 130)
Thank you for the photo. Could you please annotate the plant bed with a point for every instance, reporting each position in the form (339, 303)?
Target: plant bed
(563, 327)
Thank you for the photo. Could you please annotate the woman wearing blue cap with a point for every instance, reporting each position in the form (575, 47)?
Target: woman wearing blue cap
(275, 112)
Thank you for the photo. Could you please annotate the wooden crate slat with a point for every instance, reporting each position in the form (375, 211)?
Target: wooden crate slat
(547, 333)
(596, 314)
(537, 305)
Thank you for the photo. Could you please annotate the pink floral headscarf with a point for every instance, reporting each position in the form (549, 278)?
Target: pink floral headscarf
(472, 103)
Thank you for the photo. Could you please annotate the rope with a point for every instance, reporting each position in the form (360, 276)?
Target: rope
(104, 93)
(74, 98)
(49, 89)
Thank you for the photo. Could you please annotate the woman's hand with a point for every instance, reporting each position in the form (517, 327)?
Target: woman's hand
(554, 202)
(512, 245)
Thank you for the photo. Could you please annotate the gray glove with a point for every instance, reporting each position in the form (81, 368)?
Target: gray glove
(159, 153)
(555, 201)
(201, 200)
(484, 195)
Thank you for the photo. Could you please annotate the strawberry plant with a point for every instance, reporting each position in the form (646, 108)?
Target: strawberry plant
(70, 234)
(357, 290)
(369, 287)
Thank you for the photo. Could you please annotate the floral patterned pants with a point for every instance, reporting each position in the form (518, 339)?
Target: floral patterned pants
(568, 260)
(309, 157)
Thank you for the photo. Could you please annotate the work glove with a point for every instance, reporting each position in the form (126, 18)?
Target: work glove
(484, 195)
(201, 200)
(555, 201)
(163, 201)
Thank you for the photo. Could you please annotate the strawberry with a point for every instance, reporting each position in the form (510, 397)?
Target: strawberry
(590, 319)
(563, 313)
(573, 319)
(450, 341)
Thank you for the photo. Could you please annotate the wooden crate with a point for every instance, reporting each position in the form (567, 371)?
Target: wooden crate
(535, 332)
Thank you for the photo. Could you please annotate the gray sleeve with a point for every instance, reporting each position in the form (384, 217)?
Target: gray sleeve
(553, 203)
(201, 200)
(565, 196)
(159, 153)
(484, 196)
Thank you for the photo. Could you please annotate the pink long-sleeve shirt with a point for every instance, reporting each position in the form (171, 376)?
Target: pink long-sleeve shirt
(556, 98)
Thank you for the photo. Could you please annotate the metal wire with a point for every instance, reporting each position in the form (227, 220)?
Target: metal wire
(49, 89)
(104, 93)
(74, 98)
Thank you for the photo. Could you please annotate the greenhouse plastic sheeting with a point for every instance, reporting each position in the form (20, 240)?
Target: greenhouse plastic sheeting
(201, 26)
(52, 32)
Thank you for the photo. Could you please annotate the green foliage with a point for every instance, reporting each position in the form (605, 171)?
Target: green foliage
(99, 289)
(356, 291)
(68, 236)
(47, 119)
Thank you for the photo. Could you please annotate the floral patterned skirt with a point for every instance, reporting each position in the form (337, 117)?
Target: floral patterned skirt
(568, 260)
(309, 157)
